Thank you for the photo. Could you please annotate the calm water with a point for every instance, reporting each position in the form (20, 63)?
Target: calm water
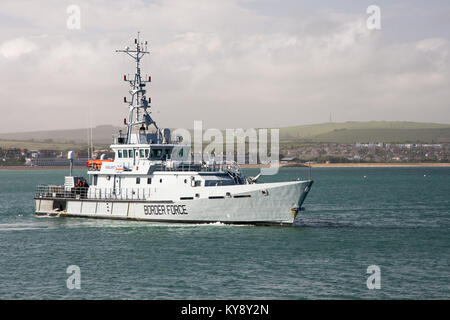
(395, 218)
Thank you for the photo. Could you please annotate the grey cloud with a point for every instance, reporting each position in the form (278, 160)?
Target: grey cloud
(218, 62)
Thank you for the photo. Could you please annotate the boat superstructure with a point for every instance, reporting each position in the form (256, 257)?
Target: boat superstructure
(153, 178)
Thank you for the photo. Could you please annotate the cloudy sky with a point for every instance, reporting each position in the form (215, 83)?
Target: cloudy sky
(231, 63)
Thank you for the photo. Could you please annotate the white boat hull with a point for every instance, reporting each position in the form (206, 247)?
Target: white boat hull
(267, 203)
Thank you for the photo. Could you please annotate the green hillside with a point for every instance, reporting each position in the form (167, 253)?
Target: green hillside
(101, 134)
(386, 135)
(373, 131)
(345, 132)
(41, 145)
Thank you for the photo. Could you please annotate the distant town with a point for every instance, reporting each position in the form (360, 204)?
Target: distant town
(365, 153)
(289, 154)
(323, 143)
(24, 157)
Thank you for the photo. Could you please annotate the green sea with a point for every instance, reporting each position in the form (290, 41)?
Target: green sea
(397, 219)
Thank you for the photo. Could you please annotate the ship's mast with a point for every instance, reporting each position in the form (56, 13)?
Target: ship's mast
(138, 103)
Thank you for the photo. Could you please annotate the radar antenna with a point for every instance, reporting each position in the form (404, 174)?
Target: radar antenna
(138, 103)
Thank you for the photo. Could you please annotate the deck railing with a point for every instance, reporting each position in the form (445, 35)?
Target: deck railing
(61, 192)
(180, 166)
(94, 192)
(53, 191)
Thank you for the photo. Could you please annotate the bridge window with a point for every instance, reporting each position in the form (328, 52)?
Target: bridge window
(147, 153)
(130, 153)
(156, 153)
(119, 153)
(125, 153)
(160, 154)
(138, 180)
(149, 180)
(142, 153)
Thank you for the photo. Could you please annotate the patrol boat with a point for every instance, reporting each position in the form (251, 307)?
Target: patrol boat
(153, 178)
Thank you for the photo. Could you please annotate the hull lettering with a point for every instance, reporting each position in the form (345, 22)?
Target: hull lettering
(165, 209)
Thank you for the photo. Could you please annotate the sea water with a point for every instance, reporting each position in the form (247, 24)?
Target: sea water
(396, 219)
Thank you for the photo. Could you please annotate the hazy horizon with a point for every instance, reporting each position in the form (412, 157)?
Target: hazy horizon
(230, 64)
(223, 128)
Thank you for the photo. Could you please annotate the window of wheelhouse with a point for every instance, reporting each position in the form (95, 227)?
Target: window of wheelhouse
(141, 153)
(119, 153)
(156, 153)
(160, 154)
(95, 180)
(125, 153)
(138, 180)
(168, 153)
(130, 153)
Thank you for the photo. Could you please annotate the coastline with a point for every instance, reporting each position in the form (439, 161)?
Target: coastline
(40, 168)
(351, 165)
(283, 165)
(377, 165)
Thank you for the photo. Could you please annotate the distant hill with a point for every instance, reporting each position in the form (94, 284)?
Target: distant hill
(344, 132)
(372, 131)
(101, 135)
(433, 135)
(41, 145)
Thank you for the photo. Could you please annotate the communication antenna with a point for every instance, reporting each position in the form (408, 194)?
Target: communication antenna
(138, 103)
(92, 137)
(88, 143)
